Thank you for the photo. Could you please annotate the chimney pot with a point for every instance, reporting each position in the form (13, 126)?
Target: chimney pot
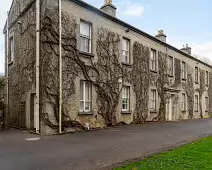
(161, 36)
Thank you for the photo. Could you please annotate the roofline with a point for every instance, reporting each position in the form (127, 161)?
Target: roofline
(98, 11)
(8, 13)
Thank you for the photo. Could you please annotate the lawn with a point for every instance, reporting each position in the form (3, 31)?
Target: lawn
(194, 156)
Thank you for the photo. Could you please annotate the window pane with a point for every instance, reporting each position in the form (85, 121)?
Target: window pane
(87, 91)
(84, 44)
(87, 106)
(81, 106)
(124, 45)
(85, 29)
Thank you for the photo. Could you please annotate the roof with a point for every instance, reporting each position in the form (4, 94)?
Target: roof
(118, 21)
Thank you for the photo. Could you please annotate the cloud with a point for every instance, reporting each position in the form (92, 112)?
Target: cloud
(203, 50)
(134, 10)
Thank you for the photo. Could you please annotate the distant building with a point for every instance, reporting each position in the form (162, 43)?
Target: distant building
(113, 73)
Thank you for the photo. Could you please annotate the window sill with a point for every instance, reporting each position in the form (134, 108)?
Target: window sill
(126, 112)
(127, 64)
(153, 111)
(85, 54)
(86, 113)
(10, 63)
(153, 71)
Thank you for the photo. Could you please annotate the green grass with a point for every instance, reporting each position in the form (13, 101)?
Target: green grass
(194, 156)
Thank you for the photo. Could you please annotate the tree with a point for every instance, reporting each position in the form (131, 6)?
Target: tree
(2, 82)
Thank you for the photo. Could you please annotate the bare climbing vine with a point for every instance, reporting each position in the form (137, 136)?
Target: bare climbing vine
(161, 84)
(140, 79)
(188, 86)
(201, 90)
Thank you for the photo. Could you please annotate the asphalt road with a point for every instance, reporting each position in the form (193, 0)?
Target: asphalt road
(95, 149)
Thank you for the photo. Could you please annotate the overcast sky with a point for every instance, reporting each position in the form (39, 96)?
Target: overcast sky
(184, 21)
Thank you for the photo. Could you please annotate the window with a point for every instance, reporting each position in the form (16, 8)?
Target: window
(206, 104)
(196, 74)
(207, 78)
(125, 98)
(85, 37)
(125, 50)
(183, 70)
(183, 102)
(170, 66)
(11, 49)
(153, 60)
(85, 96)
(196, 103)
(153, 100)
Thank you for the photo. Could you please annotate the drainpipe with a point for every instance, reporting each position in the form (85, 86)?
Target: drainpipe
(61, 67)
(37, 104)
(7, 66)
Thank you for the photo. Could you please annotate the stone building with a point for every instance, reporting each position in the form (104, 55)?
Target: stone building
(112, 73)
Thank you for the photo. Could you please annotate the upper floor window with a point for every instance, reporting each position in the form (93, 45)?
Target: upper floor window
(196, 75)
(196, 103)
(183, 70)
(126, 51)
(170, 65)
(125, 98)
(153, 60)
(11, 49)
(153, 100)
(207, 78)
(85, 36)
(85, 96)
(183, 102)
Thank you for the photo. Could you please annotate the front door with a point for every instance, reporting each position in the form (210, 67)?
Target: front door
(32, 112)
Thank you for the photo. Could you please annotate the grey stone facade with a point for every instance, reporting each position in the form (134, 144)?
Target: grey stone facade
(97, 18)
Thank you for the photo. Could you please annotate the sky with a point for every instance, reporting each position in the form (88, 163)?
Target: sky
(184, 21)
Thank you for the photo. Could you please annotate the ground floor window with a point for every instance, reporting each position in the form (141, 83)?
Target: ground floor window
(85, 96)
(153, 100)
(206, 104)
(125, 98)
(183, 102)
(196, 103)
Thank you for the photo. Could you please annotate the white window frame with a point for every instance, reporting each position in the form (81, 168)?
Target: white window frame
(196, 103)
(11, 48)
(183, 101)
(153, 100)
(183, 70)
(126, 52)
(196, 75)
(153, 60)
(171, 66)
(89, 38)
(84, 101)
(127, 98)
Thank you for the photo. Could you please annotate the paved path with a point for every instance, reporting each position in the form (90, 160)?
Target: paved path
(96, 149)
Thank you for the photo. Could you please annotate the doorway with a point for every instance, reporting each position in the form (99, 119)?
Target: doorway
(32, 111)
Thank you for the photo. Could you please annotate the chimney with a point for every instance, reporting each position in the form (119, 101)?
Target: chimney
(161, 36)
(186, 49)
(109, 8)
